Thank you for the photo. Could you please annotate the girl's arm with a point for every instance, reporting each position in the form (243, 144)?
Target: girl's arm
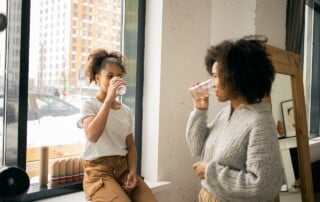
(132, 164)
(132, 155)
(94, 125)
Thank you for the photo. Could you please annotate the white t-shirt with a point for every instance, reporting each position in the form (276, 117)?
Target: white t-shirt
(113, 140)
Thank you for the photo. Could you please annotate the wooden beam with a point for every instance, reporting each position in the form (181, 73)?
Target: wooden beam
(288, 63)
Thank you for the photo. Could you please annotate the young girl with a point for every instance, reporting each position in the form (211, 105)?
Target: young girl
(110, 153)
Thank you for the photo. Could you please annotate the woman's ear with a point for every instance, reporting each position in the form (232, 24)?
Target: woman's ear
(97, 79)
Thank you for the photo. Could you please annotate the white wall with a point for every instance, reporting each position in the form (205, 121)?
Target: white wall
(232, 19)
(271, 21)
(178, 32)
(177, 35)
(275, 31)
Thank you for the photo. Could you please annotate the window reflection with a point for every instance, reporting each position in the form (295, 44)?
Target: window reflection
(2, 60)
(62, 34)
(9, 84)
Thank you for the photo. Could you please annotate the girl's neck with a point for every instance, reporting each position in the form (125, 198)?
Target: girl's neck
(102, 96)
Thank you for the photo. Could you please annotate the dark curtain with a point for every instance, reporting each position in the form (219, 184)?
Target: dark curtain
(294, 25)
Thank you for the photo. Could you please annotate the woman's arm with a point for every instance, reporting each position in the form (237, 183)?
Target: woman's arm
(261, 177)
(196, 131)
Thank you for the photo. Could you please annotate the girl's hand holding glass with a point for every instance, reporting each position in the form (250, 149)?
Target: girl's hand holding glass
(120, 85)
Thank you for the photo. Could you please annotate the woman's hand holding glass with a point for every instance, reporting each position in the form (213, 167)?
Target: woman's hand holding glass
(200, 93)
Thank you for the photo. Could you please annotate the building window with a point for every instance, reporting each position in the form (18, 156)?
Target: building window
(54, 95)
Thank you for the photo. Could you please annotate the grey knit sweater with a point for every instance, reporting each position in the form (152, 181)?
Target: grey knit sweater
(241, 151)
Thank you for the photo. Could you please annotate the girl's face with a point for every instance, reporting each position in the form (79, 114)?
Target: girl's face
(106, 74)
(221, 92)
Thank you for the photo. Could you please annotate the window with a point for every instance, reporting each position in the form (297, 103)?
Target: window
(38, 111)
(2, 66)
(315, 93)
(312, 66)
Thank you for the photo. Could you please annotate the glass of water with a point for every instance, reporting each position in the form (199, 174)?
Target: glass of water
(202, 90)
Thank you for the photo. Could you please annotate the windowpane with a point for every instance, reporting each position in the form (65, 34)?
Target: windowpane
(60, 41)
(133, 49)
(45, 114)
(315, 93)
(10, 74)
(2, 65)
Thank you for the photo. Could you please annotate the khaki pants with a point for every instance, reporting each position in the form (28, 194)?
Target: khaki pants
(104, 177)
(205, 196)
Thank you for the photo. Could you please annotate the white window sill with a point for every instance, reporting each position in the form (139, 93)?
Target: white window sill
(158, 186)
(79, 196)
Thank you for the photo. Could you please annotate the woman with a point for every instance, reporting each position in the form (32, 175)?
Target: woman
(110, 153)
(239, 149)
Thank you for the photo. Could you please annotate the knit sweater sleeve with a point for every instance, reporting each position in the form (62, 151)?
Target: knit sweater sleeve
(196, 131)
(261, 178)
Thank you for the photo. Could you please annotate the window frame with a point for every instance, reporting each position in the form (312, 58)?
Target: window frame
(314, 113)
(139, 79)
(20, 158)
(36, 192)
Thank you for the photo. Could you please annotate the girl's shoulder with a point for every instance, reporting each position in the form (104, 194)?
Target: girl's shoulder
(90, 104)
(126, 108)
(92, 101)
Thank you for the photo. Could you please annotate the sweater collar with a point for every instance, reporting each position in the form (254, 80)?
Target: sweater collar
(258, 107)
